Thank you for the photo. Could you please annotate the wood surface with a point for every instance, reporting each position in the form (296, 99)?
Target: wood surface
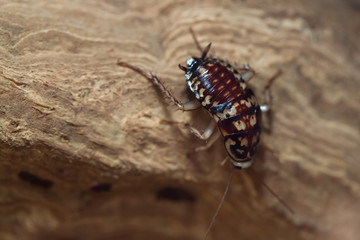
(88, 151)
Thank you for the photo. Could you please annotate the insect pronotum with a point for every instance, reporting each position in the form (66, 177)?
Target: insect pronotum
(221, 88)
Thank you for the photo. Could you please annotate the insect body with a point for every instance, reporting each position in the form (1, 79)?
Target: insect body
(222, 90)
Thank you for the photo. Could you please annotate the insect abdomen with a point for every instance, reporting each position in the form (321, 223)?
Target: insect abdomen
(213, 84)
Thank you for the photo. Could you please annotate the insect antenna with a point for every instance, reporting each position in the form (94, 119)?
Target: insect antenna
(220, 204)
(195, 40)
(205, 51)
(271, 191)
(183, 68)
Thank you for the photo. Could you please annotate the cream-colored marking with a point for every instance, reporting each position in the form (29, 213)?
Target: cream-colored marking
(210, 64)
(228, 143)
(239, 125)
(246, 103)
(196, 85)
(233, 109)
(215, 80)
(201, 92)
(202, 70)
(240, 151)
(238, 95)
(226, 94)
(220, 87)
(252, 120)
(243, 85)
(228, 81)
(243, 142)
(222, 75)
(188, 75)
(194, 80)
(216, 69)
(228, 112)
(233, 88)
(215, 103)
(206, 101)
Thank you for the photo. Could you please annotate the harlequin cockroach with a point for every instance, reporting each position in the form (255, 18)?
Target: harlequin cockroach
(221, 88)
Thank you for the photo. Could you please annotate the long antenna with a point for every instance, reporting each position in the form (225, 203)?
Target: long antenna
(195, 40)
(220, 204)
(271, 191)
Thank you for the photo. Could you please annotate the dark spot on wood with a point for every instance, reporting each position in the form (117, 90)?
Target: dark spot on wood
(35, 180)
(65, 138)
(101, 187)
(175, 194)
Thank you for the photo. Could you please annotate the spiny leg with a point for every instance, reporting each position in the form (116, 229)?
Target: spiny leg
(155, 80)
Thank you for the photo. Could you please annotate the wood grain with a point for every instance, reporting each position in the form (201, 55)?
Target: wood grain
(87, 151)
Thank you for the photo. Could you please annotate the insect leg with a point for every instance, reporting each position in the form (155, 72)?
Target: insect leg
(247, 73)
(211, 142)
(209, 130)
(266, 106)
(242, 67)
(156, 81)
(267, 103)
(208, 134)
(224, 161)
(192, 105)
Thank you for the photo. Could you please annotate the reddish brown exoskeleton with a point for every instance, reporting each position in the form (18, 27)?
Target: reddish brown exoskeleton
(221, 88)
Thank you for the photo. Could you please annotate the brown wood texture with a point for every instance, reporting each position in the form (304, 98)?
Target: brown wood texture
(87, 150)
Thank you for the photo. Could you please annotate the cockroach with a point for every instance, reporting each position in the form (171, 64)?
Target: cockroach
(221, 88)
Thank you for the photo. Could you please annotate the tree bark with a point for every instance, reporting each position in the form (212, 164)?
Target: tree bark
(89, 150)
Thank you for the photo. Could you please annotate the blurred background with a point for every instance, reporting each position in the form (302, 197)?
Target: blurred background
(89, 150)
